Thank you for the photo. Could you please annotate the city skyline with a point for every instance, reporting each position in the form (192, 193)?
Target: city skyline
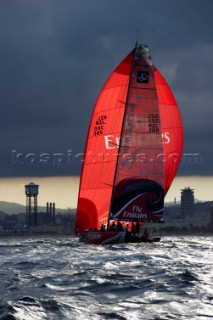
(64, 190)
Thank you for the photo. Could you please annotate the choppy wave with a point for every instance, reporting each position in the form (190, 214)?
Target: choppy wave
(59, 278)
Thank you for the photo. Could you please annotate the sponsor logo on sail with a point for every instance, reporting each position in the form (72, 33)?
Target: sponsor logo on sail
(112, 142)
(133, 215)
(143, 76)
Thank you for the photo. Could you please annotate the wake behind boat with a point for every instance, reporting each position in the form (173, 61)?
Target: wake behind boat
(132, 153)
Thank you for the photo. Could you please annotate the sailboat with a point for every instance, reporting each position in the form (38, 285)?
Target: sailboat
(132, 153)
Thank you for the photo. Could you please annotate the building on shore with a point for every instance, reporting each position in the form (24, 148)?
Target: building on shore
(187, 203)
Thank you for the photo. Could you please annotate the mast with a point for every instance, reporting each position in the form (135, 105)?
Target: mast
(113, 188)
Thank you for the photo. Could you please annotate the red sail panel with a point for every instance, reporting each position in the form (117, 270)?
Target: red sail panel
(172, 129)
(101, 150)
(139, 183)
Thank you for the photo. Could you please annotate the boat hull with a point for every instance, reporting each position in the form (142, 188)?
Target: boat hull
(112, 237)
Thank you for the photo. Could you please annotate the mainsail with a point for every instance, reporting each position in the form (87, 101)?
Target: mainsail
(133, 147)
(139, 178)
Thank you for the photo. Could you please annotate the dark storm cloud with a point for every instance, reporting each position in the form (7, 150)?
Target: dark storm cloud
(56, 55)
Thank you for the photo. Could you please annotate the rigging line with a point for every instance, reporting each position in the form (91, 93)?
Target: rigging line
(121, 101)
(107, 184)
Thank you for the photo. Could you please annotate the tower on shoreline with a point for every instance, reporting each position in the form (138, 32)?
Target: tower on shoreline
(187, 203)
(31, 192)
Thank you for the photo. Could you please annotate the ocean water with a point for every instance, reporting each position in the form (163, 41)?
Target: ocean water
(59, 278)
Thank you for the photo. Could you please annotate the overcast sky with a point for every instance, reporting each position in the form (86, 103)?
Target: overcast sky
(56, 55)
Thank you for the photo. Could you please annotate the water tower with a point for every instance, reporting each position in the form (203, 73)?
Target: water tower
(31, 191)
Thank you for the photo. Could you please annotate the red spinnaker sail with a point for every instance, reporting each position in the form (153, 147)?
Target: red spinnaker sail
(111, 130)
(172, 129)
(101, 150)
